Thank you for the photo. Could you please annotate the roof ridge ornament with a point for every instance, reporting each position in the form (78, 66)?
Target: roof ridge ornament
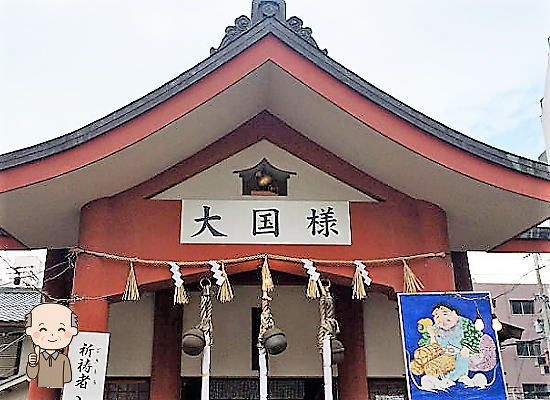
(263, 9)
(268, 8)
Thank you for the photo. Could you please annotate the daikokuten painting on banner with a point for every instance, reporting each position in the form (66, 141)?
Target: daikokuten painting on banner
(447, 354)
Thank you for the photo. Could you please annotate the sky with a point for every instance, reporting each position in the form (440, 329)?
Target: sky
(477, 66)
(507, 268)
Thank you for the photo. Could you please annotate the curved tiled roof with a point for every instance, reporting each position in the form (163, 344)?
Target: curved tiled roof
(246, 32)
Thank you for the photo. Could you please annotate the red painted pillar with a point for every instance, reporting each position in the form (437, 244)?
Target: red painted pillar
(166, 362)
(352, 372)
(93, 315)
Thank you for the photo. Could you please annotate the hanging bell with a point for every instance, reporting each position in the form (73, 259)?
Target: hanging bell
(193, 342)
(275, 341)
(337, 350)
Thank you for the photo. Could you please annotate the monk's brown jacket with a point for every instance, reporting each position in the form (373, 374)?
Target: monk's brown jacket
(52, 370)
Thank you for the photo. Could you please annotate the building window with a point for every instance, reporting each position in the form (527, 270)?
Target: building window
(248, 388)
(387, 388)
(528, 349)
(11, 351)
(126, 389)
(535, 391)
(525, 307)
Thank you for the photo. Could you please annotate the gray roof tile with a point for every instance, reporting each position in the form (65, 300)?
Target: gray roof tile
(16, 303)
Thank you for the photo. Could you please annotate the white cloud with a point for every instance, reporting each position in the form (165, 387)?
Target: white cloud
(476, 66)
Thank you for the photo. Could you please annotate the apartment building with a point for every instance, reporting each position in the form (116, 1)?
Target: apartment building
(526, 363)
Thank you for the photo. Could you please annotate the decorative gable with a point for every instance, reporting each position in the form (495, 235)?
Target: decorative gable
(229, 178)
(263, 9)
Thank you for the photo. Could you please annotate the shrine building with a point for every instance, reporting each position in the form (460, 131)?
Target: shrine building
(268, 151)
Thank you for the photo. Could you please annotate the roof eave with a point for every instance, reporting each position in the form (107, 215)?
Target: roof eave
(271, 26)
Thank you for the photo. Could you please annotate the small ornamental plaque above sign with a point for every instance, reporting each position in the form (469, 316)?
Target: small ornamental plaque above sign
(265, 221)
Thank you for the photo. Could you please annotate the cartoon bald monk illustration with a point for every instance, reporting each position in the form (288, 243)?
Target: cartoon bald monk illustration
(51, 328)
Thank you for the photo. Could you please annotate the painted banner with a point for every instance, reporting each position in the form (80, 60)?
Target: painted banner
(449, 354)
(265, 221)
(88, 354)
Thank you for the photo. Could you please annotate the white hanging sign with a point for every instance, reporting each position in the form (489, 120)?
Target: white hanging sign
(265, 221)
(88, 355)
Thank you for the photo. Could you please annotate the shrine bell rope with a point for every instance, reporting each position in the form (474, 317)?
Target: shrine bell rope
(360, 278)
(328, 329)
(206, 326)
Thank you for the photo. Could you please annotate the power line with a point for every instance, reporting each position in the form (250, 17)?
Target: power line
(51, 268)
(519, 283)
(59, 274)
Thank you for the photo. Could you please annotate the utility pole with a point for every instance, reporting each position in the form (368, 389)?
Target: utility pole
(543, 298)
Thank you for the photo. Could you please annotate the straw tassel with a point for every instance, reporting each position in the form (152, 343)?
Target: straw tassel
(312, 291)
(359, 291)
(267, 281)
(131, 292)
(225, 294)
(361, 279)
(411, 282)
(180, 295)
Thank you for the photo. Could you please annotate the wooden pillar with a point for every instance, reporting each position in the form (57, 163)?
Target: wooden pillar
(166, 362)
(352, 372)
(461, 268)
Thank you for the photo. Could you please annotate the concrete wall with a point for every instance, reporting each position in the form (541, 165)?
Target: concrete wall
(131, 326)
(383, 337)
(231, 354)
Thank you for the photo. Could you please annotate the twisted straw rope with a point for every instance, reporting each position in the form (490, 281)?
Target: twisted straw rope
(328, 325)
(266, 319)
(78, 251)
(205, 323)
